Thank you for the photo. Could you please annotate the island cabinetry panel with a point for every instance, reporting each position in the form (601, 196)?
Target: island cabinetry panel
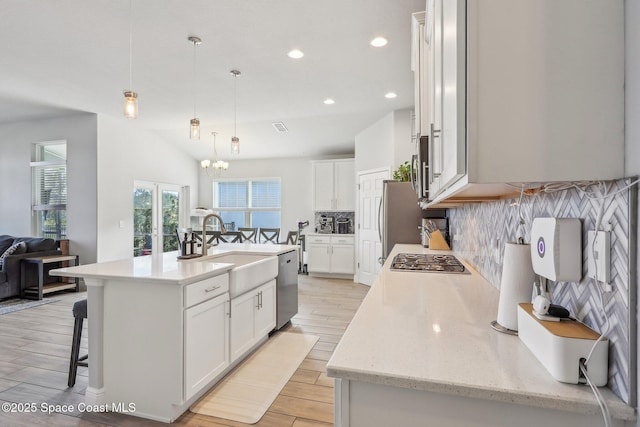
(206, 339)
(253, 316)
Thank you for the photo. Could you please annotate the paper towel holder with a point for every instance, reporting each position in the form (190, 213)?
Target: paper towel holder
(516, 286)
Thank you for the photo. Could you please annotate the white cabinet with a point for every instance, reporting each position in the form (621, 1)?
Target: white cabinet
(422, 72)
(333, 185)
(206, 332)
(253, 316)
(520, 94)
(331, 254)
(206, 343)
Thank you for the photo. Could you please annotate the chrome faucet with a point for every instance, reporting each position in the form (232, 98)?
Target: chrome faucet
(223, 230)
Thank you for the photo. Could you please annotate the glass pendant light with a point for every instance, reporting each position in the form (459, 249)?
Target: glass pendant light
(195, 122)
(130, 97)
(235, 141)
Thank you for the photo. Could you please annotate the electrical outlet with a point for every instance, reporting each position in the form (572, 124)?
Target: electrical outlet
(598, 256)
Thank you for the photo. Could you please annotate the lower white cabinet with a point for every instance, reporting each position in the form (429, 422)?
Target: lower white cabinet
(206, 342)
(331, 254)
(253, 316)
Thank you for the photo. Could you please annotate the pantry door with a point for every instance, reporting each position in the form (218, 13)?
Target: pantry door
(369, 249)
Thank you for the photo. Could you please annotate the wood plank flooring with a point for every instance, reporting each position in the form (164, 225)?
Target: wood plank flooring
(34, 360)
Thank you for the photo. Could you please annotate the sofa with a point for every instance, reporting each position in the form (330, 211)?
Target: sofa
(23, 247)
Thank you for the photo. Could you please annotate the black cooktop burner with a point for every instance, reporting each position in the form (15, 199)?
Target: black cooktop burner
(428, 263)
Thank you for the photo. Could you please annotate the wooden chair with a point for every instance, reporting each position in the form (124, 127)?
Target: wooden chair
(269, 235)
(249, 234)
(228, 237)
(292, 238)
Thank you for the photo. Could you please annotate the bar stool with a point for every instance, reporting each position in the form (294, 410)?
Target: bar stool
(79, 313)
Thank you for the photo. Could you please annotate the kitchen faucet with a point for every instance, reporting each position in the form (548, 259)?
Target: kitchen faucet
(223, 230)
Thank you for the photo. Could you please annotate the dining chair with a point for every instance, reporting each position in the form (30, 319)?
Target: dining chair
(269, 235)
(292, 238)
(249, 234)
(230, 237)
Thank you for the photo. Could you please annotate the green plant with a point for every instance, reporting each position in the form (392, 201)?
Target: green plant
(403, 173)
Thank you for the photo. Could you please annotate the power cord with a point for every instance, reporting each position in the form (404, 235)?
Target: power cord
(606, 415)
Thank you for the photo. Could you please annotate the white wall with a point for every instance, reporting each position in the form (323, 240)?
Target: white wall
(385, 143)
(403, 147)
(15, 177)
(295, 176)
(632, 111)
(127, 154)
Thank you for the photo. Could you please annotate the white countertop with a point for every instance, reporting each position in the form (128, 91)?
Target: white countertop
(166, 268)
(431, 332)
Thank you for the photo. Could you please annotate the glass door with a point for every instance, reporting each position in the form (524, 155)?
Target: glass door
(157, 209)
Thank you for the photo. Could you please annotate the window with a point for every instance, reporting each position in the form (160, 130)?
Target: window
(248, 203)
(49, 189)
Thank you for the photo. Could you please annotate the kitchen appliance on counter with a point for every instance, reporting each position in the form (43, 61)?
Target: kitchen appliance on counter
(286, 288)
(326, 224)
(343, 225)
(429, 263)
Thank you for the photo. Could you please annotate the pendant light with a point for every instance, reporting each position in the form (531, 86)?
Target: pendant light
(130, 97)
(195, 122)
(235, 141)
(214, 167)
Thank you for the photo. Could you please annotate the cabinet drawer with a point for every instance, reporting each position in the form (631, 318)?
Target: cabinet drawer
(348, 240)
(318, 239)
(206, 289)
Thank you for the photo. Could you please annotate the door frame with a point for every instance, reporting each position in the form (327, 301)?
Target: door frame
(386, 169)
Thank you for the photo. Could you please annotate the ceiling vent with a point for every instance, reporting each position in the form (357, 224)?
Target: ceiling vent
(280, 127)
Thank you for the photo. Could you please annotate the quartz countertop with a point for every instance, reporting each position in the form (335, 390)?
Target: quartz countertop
(431, 332)
(166, 268)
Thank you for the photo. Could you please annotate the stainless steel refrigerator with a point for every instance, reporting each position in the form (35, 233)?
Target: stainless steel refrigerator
(400, 215)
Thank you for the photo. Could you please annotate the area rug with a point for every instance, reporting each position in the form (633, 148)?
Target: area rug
(15, 304)
(248, 391)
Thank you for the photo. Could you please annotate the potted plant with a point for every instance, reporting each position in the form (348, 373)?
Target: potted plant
(403, 173)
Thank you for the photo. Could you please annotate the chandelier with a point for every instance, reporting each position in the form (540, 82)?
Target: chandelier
(214, 167)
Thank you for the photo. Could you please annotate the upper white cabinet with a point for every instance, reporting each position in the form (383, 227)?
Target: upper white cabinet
(334, 185)
(420, 64)
(524, 91)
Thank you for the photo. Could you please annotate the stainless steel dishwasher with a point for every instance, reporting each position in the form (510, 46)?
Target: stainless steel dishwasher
(286, 288)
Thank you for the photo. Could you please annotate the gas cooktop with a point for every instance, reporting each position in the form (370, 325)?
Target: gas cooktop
(429, 263)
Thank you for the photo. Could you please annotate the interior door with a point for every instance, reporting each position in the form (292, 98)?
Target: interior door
(369, 240)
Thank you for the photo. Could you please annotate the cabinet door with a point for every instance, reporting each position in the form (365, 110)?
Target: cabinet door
(342, 259)
(435, 159)
(206, 343)
(323, 186)
(345, 182)
(265, 317)
(453, 128)
(242, 323)
(319, 258)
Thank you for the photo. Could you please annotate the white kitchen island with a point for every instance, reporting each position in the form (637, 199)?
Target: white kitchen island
(159, 328)
(420, 352)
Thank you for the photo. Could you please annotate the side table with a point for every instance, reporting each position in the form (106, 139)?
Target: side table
(38, 291)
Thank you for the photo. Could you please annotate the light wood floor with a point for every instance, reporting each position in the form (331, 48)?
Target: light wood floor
(34, 360)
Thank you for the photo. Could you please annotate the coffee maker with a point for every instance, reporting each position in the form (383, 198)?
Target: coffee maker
(343, 225)
(326, 224)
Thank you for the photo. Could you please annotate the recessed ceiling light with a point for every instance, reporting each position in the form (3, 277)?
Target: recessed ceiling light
(379, 42)
(329, 101)
(390, 95)
(295, 54)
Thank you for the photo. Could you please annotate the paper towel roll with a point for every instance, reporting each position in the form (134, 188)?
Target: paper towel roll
(516, 285)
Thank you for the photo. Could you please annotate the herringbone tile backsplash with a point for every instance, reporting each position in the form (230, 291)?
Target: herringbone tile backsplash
(484, 226)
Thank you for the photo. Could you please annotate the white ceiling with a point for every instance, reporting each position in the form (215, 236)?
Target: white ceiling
(62, 56)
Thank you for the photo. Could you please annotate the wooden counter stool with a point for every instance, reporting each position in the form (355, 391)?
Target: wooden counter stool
(79, 313)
